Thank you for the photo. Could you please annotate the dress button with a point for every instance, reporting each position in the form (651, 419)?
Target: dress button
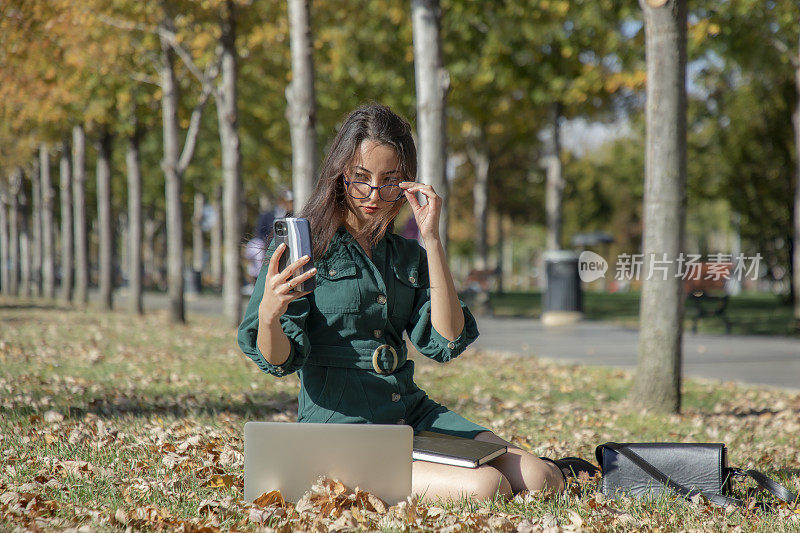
(381, 299)
(395, 397)
(331, 272)
(451, 345)
(412, 279)
(377, 333)
(401, 421)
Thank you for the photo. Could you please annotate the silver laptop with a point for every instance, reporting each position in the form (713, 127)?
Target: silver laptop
(291, 456)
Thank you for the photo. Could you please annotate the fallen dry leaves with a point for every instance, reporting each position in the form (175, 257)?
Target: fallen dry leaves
(108, 422)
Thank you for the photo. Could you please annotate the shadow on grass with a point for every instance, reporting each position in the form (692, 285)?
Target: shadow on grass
(245, 405)
(33, 305)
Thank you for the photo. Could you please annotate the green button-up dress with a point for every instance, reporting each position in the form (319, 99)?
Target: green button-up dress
(360, 307)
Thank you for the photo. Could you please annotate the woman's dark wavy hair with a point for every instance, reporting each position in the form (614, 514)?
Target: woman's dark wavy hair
(328, 206)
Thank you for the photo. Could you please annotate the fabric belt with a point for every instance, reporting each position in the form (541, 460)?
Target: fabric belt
(385, 359)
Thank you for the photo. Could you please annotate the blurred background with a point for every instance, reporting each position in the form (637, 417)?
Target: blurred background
(539, 91)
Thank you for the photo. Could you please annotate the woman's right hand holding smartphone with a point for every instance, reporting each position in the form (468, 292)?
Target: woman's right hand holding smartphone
(279, 286)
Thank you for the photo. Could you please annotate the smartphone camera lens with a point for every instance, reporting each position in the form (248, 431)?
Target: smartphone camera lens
(280, 229)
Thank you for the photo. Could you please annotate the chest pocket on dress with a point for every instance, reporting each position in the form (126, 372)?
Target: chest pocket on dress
(337, 288)
(405, 289)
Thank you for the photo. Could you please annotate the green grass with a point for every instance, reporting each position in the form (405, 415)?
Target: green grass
(156, 412)
(749, 313)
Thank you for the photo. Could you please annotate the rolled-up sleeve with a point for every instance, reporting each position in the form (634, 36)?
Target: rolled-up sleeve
(420, 329)
(293, 323)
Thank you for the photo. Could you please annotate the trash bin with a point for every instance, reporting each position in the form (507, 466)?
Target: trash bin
(192, 283)
(562, 300)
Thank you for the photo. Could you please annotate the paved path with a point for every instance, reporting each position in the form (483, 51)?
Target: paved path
(750, 359)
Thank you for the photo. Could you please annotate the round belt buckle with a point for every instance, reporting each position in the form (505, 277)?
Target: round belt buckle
(375, 355)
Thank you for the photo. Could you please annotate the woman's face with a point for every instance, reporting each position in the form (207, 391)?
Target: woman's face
(377, 165)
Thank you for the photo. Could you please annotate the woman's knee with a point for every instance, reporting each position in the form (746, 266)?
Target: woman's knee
(488, 481)
(544, 475)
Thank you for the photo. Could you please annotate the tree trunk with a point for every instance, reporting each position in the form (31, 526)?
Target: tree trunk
(25, 253)
(67, 244)
(34, 214)
(13, 230)
(554, 189)
(132, 159)
(81, 294)
(197, 234)
(228, 118)
(105, 230)
(501, 243)
(796, 251)
(216, 239)
(301, 110)
(657, 384)
(48, 247)
(150, 228)
(432, 84)
(481, 161)
(173, 179)
(4, 244)
(507, 268)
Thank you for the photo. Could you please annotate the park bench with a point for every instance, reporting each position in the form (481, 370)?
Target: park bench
(481, 280)
(477, 285)
(706, 298)
(707, 305)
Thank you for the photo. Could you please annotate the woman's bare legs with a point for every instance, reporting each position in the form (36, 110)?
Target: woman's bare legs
(523, 470)
(435, 480)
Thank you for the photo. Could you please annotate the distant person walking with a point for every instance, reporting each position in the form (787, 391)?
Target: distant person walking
(255, 249)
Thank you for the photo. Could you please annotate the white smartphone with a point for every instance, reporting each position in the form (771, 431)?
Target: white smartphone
(296, 234)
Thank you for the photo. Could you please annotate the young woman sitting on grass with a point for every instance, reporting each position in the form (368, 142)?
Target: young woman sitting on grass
(345, 339)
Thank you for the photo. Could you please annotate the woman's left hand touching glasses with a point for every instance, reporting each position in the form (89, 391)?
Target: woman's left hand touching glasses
(427, 216)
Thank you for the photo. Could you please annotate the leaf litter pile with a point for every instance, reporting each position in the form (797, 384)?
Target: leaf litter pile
(114, 422)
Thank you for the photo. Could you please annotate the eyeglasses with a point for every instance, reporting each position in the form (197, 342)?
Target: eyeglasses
(361, 190)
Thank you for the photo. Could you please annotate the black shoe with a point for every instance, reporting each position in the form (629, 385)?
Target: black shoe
(573, 466)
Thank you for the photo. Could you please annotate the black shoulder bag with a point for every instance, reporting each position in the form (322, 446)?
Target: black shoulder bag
(649, 469)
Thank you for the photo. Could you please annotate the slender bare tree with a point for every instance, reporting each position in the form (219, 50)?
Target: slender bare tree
(48, 242)
(657, 385)
(149, 228)
(479, 157)
(134, 172)
(215, 251)
(796, 251)
(15, 184)
(301, 97)
(4, 244)
(81, 294)
(173, 177)
(67, 258)
(175, 161)
(554, 188)
(105, 231)
(25, 252)
(197, 235)
(34, 216)
(433, 84)
(228, 118)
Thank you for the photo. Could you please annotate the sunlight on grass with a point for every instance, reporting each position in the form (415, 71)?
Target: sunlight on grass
(115, 421)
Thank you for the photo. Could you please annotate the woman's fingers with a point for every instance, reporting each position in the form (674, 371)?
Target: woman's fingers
(412, 200)
(288, 286)
(290, 270)
(272, 269)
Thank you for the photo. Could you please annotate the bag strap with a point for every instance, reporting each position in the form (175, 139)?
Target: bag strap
(779, 491)
(776, 489)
